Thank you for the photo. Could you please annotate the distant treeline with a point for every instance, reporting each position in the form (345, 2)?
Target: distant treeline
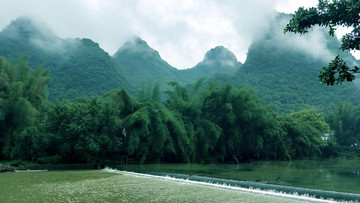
(212, 124)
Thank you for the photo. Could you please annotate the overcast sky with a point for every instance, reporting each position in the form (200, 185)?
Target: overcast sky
(181, 30)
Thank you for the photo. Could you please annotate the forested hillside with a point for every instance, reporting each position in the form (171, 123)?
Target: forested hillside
(279, 66)
(79, 67)
(217, 60)
(267, 108)
(87, 70)
(143, 65)
(284, 70)
(214, 124)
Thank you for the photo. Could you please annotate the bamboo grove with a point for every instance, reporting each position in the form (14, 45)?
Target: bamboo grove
(205, 123)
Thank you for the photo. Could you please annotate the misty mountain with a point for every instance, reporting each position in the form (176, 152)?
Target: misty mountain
(218, 60)
(143, 65)
(27, 30)
(79, 67)
(284, 69)
(87, 70)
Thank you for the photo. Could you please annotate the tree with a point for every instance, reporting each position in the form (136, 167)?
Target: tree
(332, 13)
(85, 130)
(315, 119)
(151, 93)
(305, 129)
(23, 103)
(344, 119)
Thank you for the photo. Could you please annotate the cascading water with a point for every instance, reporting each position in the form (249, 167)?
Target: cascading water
(252, 187)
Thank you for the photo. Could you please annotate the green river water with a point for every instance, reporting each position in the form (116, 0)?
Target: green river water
(333, 175)
(106, 186)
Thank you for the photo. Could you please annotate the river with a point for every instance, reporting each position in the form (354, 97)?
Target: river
(332, 175)
(105, 186)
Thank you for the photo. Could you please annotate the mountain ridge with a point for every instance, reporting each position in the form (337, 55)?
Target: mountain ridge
(280, 69)
(286, 75)
(218, 60)
(69, 60)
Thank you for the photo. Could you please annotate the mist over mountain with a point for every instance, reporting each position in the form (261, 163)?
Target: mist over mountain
(136, 45)
(87, 70)
(27, 29)
(143, 65)
(79, 67)
(218, 60)
(222, 54)
(283, 69)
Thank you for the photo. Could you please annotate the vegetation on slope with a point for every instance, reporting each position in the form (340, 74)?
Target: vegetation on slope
(78, 67)
(215, 124)
(284, 72)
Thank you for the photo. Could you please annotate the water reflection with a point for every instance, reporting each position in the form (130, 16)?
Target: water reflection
(336, 175)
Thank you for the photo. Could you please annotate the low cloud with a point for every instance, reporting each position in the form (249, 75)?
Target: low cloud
(38, 33)
(181, 30)
(313, 44)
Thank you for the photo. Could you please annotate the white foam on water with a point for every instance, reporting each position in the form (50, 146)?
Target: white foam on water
(296, 196)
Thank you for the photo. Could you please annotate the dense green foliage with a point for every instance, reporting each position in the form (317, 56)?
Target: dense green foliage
(213, 124)
(344, 120)
(83, 131)
(204, 122)
(306, 128)
(23, 100)
(331, 14)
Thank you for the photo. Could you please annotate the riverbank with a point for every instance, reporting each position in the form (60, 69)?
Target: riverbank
(32, 166)
(103, 186)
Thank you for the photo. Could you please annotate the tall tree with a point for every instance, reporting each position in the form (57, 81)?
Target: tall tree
(305, 129)
(332, 13)
(344, 119)
(85, 130)
(23, 98)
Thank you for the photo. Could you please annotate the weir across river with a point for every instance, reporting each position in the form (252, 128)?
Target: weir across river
(254, 187)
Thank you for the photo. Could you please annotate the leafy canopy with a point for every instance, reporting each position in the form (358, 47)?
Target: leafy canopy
(23, 97)
(344, 119)
(332, 14)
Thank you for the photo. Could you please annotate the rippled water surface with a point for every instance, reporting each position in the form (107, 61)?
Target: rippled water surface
(334, 175)
(102, 186)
